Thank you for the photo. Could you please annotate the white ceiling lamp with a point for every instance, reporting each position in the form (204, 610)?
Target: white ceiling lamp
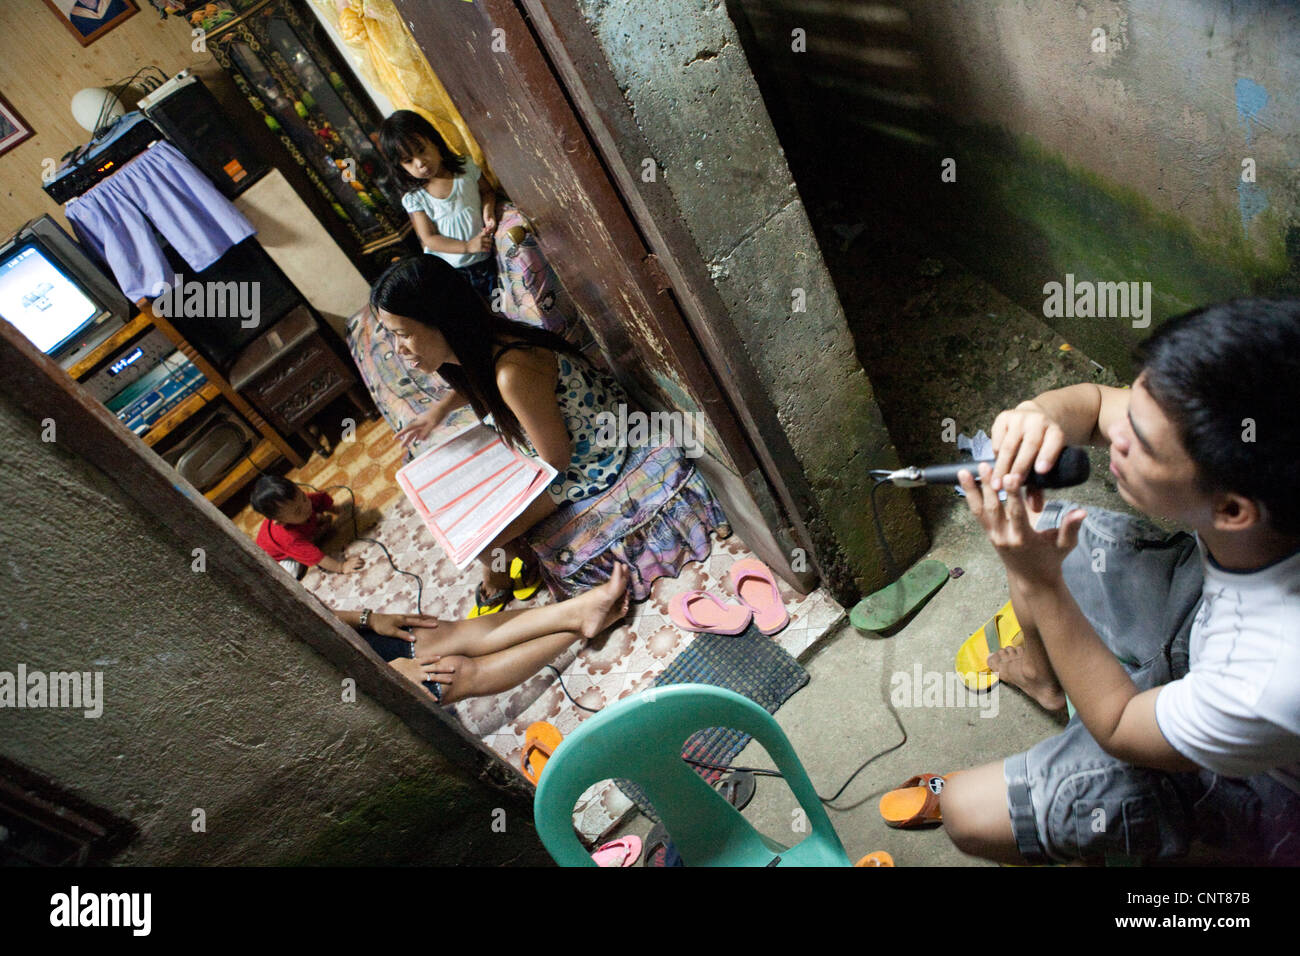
(95, 107)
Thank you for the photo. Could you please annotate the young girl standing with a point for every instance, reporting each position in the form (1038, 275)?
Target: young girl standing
(452, 207)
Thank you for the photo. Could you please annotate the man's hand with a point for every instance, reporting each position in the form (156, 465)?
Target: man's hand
(1025, 437)
(1032, 558)
(391, 625)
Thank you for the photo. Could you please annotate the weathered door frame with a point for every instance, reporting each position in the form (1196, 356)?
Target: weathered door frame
(542, 103)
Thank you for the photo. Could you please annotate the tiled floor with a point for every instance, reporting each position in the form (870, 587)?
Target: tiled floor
(619, 663)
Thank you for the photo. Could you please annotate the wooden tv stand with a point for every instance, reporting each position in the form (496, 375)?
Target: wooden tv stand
(272, 446)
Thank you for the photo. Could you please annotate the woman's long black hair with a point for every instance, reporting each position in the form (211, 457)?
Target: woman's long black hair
(400, 138)
(433, 293)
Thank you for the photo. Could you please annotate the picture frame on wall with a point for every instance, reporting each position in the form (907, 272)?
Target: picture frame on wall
(88, 20)
(13, 128)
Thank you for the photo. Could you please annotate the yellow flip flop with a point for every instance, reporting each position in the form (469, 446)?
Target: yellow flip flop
(522, 589)
(485, 604)
(1002, 630)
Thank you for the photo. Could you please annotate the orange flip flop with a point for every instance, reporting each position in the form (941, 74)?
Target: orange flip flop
(915, 803)
(878, 858)
(540, 741)
(751, 580)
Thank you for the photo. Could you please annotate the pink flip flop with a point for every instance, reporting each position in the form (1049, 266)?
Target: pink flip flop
(701, 611)
(624, 851)
(753, 583)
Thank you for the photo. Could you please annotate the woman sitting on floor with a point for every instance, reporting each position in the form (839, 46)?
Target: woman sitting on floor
(530, 385)
(454, 660)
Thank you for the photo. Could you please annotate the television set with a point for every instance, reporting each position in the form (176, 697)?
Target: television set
(53, 292)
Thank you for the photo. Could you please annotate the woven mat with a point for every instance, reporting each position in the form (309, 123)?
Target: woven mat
(752, 665)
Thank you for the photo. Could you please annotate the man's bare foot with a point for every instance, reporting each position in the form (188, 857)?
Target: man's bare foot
(1012, 665)
(606, 604)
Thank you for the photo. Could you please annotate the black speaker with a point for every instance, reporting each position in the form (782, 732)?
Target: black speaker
(246, 269)
(189, 116)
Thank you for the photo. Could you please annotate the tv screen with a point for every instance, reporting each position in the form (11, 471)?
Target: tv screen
(39, 299)
(56, 294)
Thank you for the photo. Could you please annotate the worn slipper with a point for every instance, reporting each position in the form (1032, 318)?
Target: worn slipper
(1001, 630)
(915, 803)
(738, 788)
(896, 602)
(878, 858)
(751, 580)
(624, 851)
(701, 611)
(540, 741)
(484, 604)
(521, 588)
(659, 850)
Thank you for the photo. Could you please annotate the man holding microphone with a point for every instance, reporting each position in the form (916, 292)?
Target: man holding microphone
(1179, 652)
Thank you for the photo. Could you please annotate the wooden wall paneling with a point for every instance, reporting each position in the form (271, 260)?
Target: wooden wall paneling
(44, 66)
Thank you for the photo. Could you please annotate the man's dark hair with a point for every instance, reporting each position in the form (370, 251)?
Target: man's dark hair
(1228, 377)
(271, 493)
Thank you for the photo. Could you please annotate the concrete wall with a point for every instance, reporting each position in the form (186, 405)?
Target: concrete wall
(1115, 165)
(687, 82)
(209, 702)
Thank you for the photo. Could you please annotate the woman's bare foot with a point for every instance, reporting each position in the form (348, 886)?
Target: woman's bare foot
(1012, 665)
(606, 604)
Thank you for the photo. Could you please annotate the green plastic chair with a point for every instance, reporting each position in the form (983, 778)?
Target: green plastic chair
(640, 739)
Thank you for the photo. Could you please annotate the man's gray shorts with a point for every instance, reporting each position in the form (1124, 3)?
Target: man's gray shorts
(1070, 800)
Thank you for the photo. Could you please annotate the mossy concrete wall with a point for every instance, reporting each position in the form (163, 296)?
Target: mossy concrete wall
(1115, 140)
(209, 703)
(687, 82)
(1125, 164)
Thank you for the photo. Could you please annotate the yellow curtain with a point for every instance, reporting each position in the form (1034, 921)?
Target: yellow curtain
(389, 56)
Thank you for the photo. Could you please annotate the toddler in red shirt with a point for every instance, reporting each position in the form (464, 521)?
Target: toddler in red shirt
(295, 521)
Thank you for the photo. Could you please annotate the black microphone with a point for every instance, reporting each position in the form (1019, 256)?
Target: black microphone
(1071, 468)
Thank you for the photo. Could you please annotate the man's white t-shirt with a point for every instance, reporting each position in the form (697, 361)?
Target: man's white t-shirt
(1237, 711)
(459, 216)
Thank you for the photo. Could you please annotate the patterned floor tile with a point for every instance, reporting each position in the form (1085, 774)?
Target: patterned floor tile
(621, 662)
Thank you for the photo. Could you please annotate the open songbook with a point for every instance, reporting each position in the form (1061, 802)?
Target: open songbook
(470, 487)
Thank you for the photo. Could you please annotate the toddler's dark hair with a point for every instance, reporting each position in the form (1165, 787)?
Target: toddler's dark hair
(271, 493)
(400, 138)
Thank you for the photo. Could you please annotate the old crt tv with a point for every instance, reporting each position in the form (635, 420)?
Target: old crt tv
(53, 292)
